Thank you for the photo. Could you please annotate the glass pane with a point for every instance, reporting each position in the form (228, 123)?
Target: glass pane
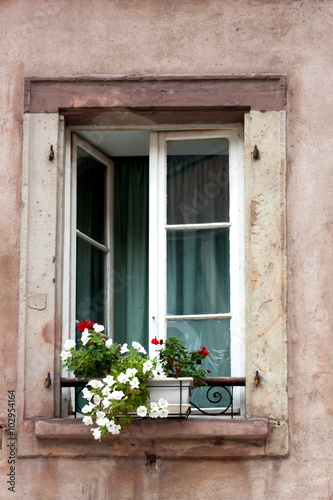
(130, 285)
(198, 279)
(90, 196)
(215, 336)
(198, 181)
(90, 292)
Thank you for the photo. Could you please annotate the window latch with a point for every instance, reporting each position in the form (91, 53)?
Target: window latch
(51, 153)
(48, 380)
(255, 153)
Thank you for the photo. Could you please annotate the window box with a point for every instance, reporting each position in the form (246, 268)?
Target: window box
(174, 390)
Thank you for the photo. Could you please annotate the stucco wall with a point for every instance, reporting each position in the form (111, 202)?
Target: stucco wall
(190, 37)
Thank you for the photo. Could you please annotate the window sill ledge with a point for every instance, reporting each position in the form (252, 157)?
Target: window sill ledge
(174, 438)
(256, 429)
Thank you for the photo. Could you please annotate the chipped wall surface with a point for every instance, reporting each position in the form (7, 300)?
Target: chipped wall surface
(41, 38)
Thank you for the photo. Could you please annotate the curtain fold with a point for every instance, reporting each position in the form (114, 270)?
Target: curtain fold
(130, 285)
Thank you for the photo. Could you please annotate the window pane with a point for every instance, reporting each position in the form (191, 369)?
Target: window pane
(89, 282)
(198, 279)
(90, 196)
(198, 181)
(215, 336)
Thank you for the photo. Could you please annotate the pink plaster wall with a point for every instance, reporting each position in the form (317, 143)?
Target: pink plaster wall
(191, 37)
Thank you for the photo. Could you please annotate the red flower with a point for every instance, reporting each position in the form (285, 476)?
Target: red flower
(203, 351)
(161, 341)
(208, 371)
(155, 341)
(84, 324)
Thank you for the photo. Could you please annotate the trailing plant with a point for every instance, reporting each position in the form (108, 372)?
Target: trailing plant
(121, 394)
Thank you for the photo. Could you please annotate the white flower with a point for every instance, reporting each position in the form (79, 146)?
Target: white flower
(124, 349)
(88, 408)
(162, 403)
(109, 380)
(65, 355)
(130, 372)
(123, 378)
(141, 411)
(115, 429)
(100, 414)
(110, 426)
(116, 395)
(87, 394)
(154, 406)
(106, 403)
(102, 421)
(97, 399)
(69, 344)
(97, 433)
(85, 336)
(134, 383)
(98, 328)
(108, 343)
(106, 391)
(87, 420)
(139, 347)
(164, 413)
(154, 413)
(159, 372)
(96, 384)
(147, 366)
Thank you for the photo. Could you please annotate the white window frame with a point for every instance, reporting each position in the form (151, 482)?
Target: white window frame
(157, 225)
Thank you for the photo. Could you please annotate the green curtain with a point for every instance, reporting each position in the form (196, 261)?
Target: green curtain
(130, 286)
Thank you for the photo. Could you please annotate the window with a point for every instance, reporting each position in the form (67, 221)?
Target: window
(45, 244)
(156, 239)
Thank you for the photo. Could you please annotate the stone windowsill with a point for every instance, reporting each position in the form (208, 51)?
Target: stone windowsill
(176, 429)
(171, 438)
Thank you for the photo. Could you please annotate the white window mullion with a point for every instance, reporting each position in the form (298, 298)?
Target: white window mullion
(154, 271)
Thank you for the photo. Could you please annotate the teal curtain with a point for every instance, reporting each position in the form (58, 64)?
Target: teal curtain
(130, 286)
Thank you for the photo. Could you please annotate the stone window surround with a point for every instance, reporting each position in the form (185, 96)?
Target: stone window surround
(258, 102)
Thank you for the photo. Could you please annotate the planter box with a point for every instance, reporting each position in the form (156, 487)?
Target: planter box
(174, 390)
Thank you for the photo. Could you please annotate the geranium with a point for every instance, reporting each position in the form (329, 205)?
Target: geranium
(84, 324)
(175, 360)
(96, 355)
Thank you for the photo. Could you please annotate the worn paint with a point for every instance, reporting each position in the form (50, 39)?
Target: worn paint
(149, 37)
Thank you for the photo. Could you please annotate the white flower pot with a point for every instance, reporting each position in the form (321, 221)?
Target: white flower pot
(176, 391)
